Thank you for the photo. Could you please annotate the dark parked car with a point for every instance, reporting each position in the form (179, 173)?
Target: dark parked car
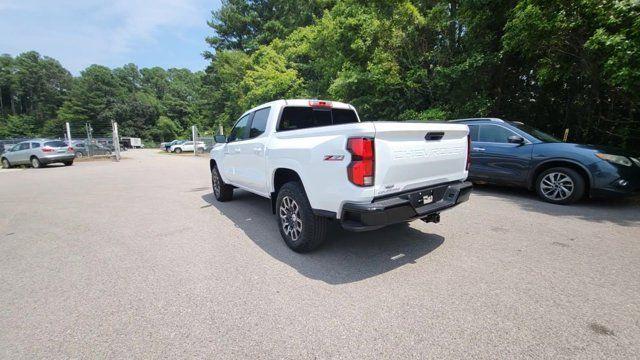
(83, 149)
(512, 153)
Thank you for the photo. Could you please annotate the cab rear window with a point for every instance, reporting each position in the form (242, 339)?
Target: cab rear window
(299, 117)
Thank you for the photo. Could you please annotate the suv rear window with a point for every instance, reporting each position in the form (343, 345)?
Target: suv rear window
(295, 117)
(56, 143)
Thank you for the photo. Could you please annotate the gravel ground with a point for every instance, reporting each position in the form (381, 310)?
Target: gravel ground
(136, 260)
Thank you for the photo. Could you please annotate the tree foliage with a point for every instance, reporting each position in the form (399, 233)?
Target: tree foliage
(553, 64)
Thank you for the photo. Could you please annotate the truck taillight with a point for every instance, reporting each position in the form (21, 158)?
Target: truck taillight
(468, 152)
(361, 169)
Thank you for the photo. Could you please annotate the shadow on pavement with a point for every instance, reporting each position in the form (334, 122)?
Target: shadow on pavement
(344, 258)
(625, 211)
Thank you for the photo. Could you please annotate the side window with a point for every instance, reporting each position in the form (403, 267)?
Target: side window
(240, 129)
(473, 132)
(259, 122)
(35, 145)
(494, 134)
(23, 146)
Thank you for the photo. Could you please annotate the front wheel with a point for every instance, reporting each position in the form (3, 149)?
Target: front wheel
(177, 150)
(5, 164)
(223, 192)
(560, 186)
(68, 163)
(300, 228)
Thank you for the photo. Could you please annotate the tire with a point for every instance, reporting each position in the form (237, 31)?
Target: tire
(68, 163)
(177, 150)
(300, 228)
(79, 155)
(222, 192)
(6, 164)
(35, 162)
(560, 185)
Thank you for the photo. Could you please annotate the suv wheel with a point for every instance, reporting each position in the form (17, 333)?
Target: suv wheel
(79, 154)
(35, 162)
(177, 150)
(68, 163)
(5, 163)
(300, 228)
(223, 192)
(560, 186)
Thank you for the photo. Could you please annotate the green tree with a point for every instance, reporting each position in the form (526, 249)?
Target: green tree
(166, 129)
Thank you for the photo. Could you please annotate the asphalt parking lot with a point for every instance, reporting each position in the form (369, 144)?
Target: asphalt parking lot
(136, 260)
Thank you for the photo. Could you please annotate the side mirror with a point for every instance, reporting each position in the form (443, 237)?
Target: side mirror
(220, 139)
(515, 139)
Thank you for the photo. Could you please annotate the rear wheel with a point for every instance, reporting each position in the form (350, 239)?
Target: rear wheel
(35, 162)
(177, 150)
(79, 154)
(223, 192)
(5, 163)
(560, 186)
(300, 228)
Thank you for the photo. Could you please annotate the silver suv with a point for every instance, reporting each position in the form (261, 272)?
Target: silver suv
(37, 153)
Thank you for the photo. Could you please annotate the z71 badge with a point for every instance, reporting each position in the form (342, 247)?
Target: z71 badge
(333, 157)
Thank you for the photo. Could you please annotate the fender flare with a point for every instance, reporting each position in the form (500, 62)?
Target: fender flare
(532, 173)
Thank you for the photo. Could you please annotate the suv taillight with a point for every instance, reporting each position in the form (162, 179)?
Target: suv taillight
(48, 149)
(468, 152)
(361, 169)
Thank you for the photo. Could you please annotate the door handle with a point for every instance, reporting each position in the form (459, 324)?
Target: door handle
(478, 149)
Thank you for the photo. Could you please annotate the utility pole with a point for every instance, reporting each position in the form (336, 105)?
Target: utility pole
(193, 136)
(116, 140)
(88, 143)
(69, 134)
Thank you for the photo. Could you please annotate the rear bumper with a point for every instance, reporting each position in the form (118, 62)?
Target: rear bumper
(403, 207)
(48, 159)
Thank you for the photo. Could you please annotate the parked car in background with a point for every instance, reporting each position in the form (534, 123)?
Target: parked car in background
(316, 161)
(168, 145)
(187, 146)
(512, 153)
(82, 149)
(37, 153)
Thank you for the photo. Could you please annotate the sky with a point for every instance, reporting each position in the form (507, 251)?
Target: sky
(78, 33)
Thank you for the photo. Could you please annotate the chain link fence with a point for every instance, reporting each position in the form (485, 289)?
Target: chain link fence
(87, 140)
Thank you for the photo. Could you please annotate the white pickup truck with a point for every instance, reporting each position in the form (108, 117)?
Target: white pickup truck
(316, 161)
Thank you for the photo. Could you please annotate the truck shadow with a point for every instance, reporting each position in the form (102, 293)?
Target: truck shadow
(624, 212)
(344, 258)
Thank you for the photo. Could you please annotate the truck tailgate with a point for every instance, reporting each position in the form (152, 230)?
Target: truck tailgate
(414, 155)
